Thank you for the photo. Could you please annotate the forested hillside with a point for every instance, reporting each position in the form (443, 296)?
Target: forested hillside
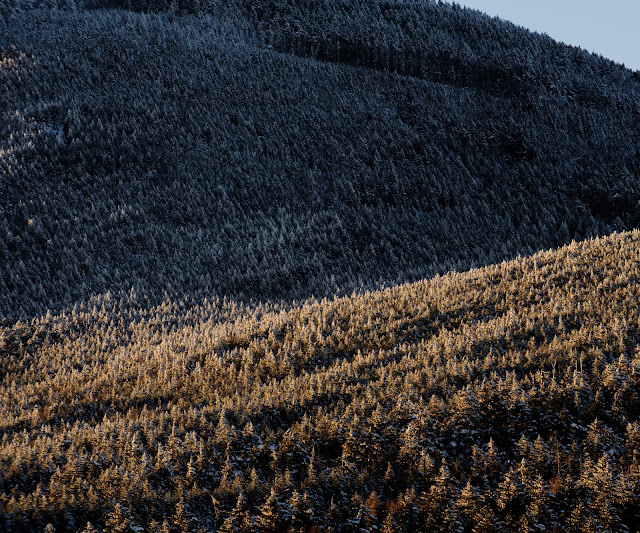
(229, 236)
(268, 150)
(501, 399)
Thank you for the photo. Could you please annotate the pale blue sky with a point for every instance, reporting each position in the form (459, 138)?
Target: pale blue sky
(608, 27)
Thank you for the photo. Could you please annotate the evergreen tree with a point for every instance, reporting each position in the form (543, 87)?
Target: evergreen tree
(269, 517)
(467, 505)
(117, 520)
(238, 520)
(182, 519)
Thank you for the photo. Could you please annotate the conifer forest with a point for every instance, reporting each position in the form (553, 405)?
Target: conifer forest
(314, 266)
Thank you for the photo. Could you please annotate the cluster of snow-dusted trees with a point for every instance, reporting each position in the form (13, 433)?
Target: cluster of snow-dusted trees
(502, 399)
(242, 152)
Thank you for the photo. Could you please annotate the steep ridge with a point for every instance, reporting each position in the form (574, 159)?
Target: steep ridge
(500, 399)
(277, 150)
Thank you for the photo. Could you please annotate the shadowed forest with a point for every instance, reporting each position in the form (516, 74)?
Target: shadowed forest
(273, 266)
(277, 151)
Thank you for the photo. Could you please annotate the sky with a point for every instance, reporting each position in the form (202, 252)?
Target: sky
(610, 28)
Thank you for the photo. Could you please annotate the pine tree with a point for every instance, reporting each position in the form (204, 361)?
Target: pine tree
(540, 455)
(581, 520)
(410, 510)
(484, 520)
(269, 519)
(435, 504)
(539, 496)
(492, 461)
(356, 515)
(510, 498)
(524, 447)
(373, 505)
(298, 511)
(606, 490)
(182, 519)
(239, 520)
(391, 522)
(467, 504)
(89, 528)
(155, 527)
(118, 520)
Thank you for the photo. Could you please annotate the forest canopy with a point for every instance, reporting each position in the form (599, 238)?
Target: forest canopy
(279, 150)
(275, 265)
(500, 399)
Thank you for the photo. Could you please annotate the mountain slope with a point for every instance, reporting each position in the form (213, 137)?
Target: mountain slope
(274, 150)
(504, 399)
